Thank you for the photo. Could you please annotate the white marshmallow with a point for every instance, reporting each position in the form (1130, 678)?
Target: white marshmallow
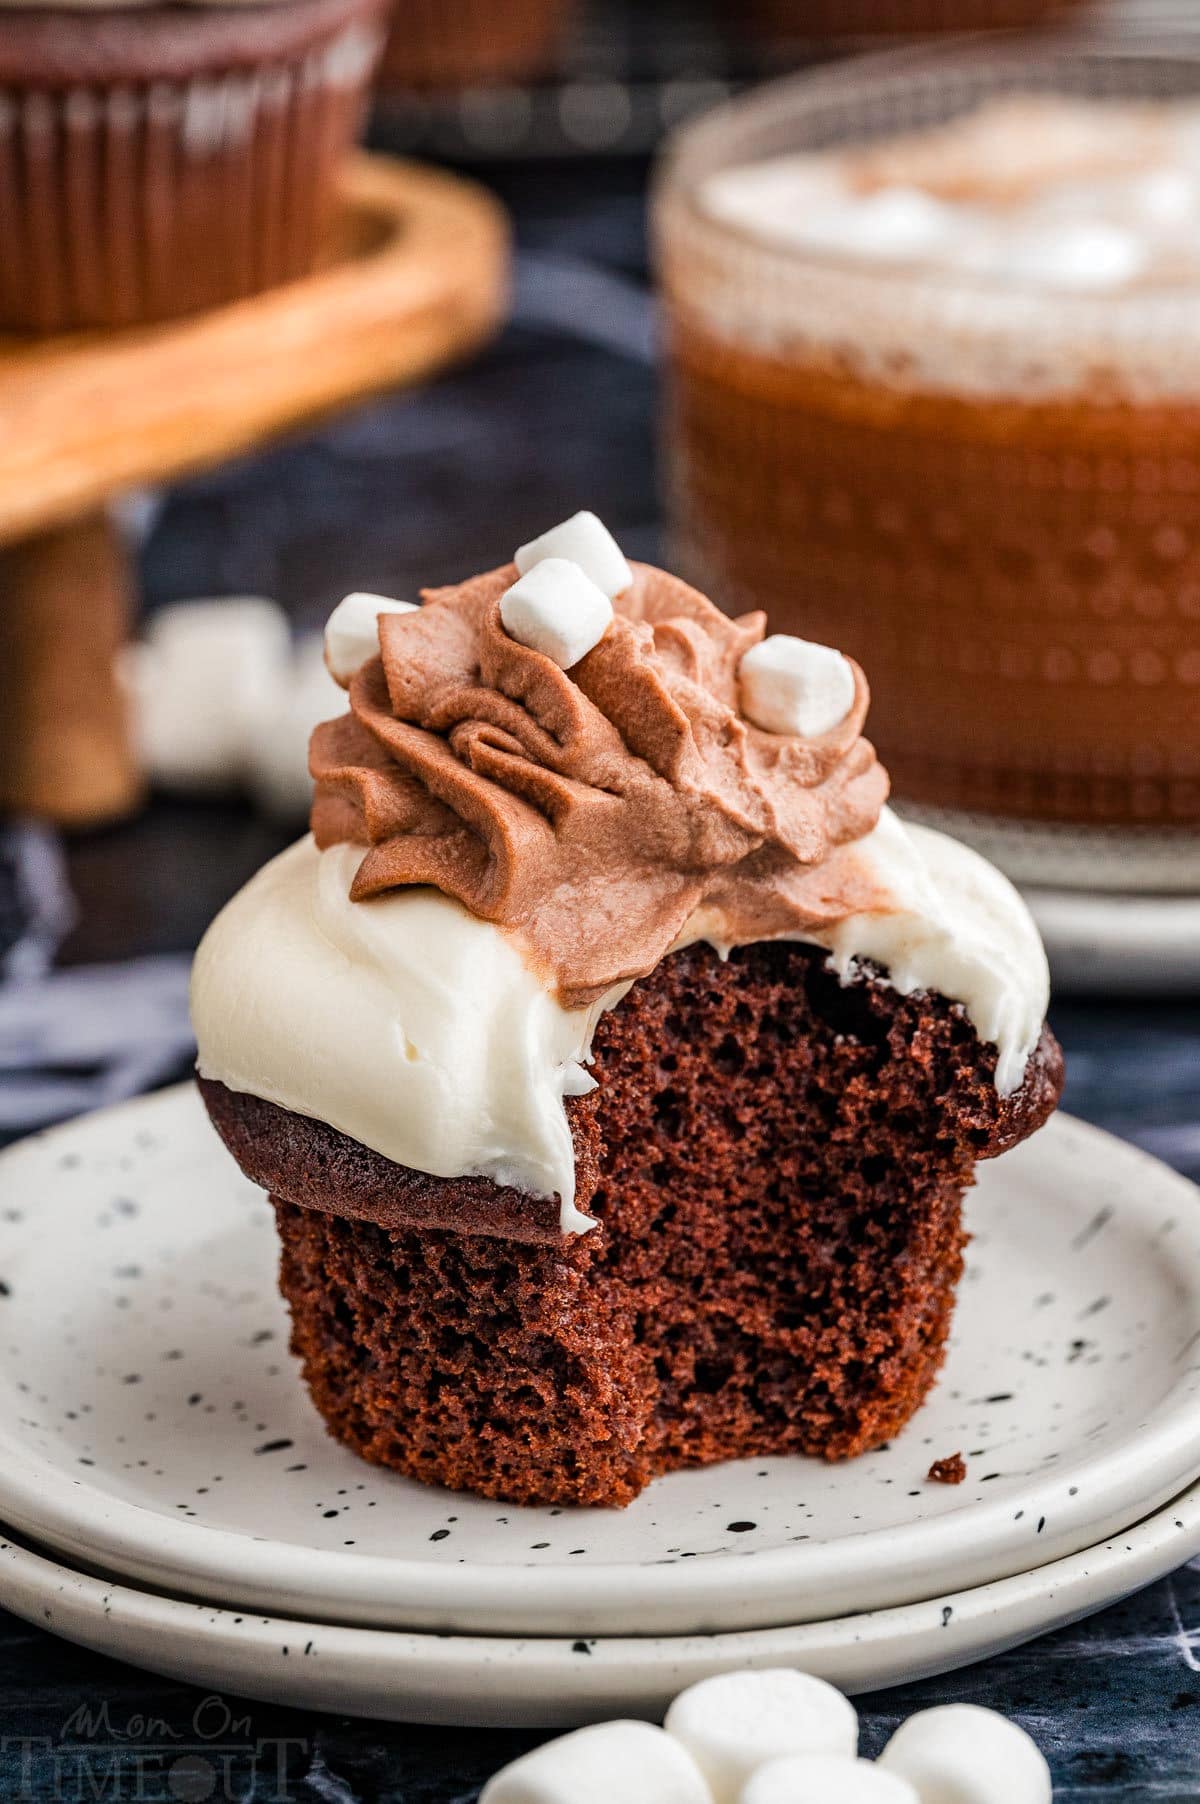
(737, 1721)
(196, 684)
(352, 632)
(1084, 255)
(789, 685)
(825, 1779)
(582, 540)
(893, 223)
(962, 1754)
(610, 1763)
(555, 608)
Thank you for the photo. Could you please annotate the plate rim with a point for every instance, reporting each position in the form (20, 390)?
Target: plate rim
(982, 1621)
(222, 1565)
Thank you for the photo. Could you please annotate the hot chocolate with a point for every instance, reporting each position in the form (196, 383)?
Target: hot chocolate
(934, 392)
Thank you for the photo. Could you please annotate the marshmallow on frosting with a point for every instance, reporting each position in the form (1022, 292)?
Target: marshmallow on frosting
(610, 1763)
(790, 685)
(582, 540)
(735, 1722)
(557, 609)
(352, 632)
(825, 1779)
(963, 1754)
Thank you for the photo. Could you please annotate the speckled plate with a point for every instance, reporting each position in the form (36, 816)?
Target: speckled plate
(152, 1423)
(553, 1683)
(1122, 945)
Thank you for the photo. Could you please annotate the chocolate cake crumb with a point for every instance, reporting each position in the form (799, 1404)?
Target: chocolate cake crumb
(949, 1471)
(776, 1164)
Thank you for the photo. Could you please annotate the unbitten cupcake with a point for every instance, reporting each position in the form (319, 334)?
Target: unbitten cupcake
(615, 1060)
(157, 160)
(448, 44)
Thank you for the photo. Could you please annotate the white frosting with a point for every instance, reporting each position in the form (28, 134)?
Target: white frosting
(406, 1022)
(959, 928)
(948, 260)
(417, 1029)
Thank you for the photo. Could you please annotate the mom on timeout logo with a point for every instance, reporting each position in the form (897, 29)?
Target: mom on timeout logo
(98, 1757)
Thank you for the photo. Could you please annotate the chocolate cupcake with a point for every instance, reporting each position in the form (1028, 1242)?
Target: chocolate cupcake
(616, 1062)
(158, 160)
(448, 44)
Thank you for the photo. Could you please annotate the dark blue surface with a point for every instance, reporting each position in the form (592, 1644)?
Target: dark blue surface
(423, 488)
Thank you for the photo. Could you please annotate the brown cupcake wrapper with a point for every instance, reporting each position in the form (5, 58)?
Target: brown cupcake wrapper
(799, 19)
(151, 200)
(466, 43)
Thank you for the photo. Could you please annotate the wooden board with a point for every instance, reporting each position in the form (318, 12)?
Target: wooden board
(415, 275)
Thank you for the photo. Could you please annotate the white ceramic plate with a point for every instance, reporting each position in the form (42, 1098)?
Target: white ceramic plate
(553, 1683)
(1119, 945)
(151, 1422)
(1050, 854)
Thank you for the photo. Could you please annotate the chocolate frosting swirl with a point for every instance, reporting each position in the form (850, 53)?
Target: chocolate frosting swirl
(594, 812)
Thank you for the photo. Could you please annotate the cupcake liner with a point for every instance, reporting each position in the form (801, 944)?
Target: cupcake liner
(149, 199)
(797, 19)
(470, 43)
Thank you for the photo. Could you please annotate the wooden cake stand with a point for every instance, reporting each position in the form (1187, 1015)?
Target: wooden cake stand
(415, 275)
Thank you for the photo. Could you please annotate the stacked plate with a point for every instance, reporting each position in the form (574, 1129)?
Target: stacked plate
(170, 1496)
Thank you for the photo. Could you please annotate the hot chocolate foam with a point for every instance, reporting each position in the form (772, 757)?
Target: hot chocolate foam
(1037, 244)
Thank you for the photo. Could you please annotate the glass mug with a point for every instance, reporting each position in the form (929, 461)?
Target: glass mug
(987, 493)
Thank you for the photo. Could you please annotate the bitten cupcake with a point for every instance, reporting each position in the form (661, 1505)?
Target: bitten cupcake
(156, 160)
(615, 1060)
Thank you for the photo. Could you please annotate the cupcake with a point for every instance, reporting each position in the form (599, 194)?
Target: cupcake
(614, 1059)
(156, 160)
(470, 43)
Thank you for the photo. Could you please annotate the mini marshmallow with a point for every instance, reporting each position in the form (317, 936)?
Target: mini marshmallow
(790, 685)
(582, 540)
(1081, 254)
(736, 1722)
(610, 1763)
(352, 632)
(825, 1779)
(196, 684)
(962, 1754)
(558, 610)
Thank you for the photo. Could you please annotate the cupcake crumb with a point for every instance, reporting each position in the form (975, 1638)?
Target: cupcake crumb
(949, 1471)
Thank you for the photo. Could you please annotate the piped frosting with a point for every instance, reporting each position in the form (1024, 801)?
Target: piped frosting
(591, 813)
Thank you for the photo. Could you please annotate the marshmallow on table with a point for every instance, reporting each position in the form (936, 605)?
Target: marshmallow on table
(556, 609)
(790, 685)
(204, 672)
(610, 1763)
(582, 540)
(736, 1722)
(962, 1754)
(825, 1779)
(352, 632)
